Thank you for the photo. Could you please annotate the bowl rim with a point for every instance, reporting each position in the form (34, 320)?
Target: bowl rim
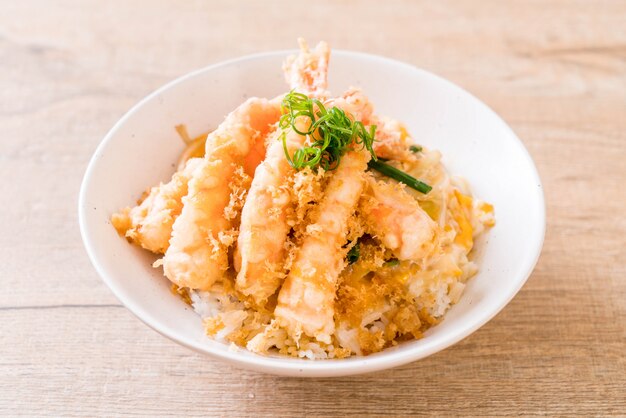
(300, 367)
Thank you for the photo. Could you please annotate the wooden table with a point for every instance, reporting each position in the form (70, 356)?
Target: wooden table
(556, 71)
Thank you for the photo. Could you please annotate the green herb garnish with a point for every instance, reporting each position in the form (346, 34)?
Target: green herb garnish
(415, 148)
(399, 175)
(392, 263)
(353, 254)
(331, 130)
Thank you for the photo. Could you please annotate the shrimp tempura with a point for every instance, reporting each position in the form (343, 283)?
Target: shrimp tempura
(306, 300)
(198, 251)
(393, 216)
(149, 224)
(264, 226)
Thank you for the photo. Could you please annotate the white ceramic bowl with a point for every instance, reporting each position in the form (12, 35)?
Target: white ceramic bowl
(142, 148)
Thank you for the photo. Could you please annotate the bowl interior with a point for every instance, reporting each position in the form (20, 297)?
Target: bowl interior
(142, 149)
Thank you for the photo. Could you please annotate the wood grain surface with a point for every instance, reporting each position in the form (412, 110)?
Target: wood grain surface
(555, 70)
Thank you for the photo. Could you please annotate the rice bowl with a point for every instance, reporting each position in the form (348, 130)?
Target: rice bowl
(483, 290)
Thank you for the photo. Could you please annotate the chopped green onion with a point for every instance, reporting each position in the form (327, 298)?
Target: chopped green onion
(392, 263)
(353, 254)
(415, 148)
(399, 175)
(332, 131)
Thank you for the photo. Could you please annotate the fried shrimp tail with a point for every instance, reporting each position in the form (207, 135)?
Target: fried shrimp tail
(307, 72)
(394, 217)
(198, 251)
(306, 299)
